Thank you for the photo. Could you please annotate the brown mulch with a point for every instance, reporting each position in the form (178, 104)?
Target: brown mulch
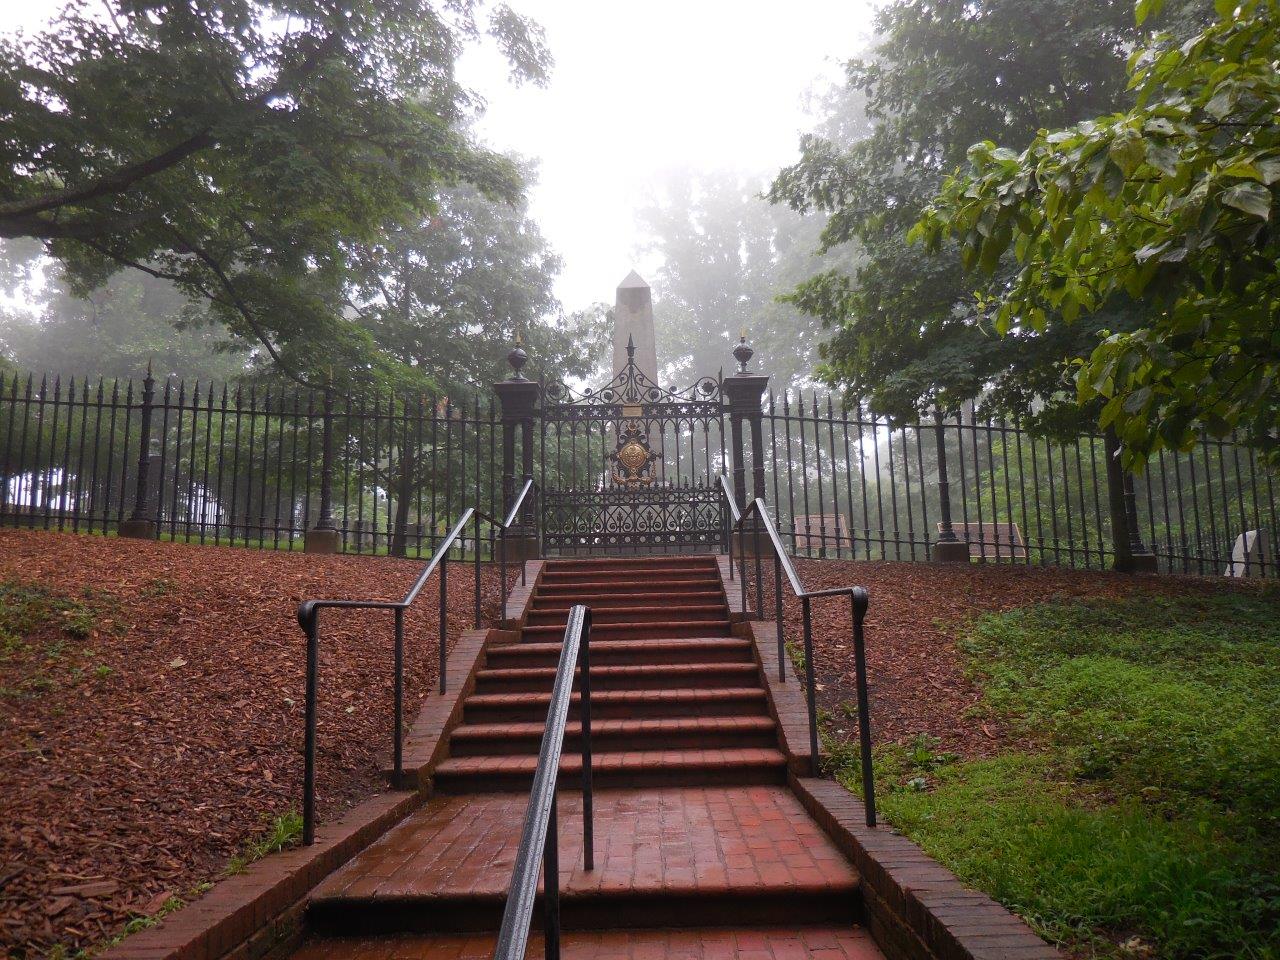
(916, 677)
(153, 749)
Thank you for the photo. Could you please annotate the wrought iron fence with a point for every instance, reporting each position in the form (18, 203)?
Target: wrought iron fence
(844, 485)
(242, 465)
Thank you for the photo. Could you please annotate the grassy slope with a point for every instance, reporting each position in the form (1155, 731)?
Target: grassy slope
(1145, 820)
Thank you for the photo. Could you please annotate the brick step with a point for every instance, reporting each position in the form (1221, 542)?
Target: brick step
(620, 652)
(664, 676)
(631, 563)
(663, 575)
(661, 613)
(653, 630)
(609, 704)
(606, 910)
(671, 733)
(612, 601)
(787, 941)
(630, 769)
(614, 588)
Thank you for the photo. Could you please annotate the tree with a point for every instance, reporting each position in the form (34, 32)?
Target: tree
(240, 148)
(1170, 204)
(447, 295)
(725, 253)
(131, 321)
(942, 76)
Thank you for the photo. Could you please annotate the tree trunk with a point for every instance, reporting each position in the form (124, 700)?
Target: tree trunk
(404, 494)
(1115, 500)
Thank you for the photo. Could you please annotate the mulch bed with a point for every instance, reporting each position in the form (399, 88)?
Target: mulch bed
(916, 676)
(171, 735)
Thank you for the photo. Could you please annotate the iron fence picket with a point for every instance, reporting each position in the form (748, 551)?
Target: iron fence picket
(238, 464)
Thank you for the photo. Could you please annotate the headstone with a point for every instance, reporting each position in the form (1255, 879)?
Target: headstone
(1248, 554)
(633, 318)
(815, 532)
(991, 541)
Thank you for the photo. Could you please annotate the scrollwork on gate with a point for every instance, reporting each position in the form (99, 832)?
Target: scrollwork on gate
(632, 388)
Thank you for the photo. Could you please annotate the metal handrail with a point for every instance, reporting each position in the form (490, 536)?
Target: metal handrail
(858, 602)
(539, 838)
(516, 505)
(309, 620)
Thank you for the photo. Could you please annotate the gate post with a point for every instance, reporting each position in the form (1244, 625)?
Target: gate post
(323, 537)
(139, 525)
(744, 393)
(948, 548)
(518, 400)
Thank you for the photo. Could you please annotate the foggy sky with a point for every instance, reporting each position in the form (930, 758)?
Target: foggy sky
(639, 89)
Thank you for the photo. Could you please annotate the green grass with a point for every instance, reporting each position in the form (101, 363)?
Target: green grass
(25, 609)
(44, 638)
(1145, 814)
(284, 831)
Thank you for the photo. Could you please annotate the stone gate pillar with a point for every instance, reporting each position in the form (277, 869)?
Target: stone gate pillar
(518, 401)
(744, 396)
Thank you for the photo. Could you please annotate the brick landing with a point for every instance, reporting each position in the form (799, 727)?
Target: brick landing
(661, 855)
(764, 943)
(682, 838)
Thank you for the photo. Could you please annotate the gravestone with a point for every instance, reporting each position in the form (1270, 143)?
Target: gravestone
(1248, 555)
(991, 541)
(817, 532)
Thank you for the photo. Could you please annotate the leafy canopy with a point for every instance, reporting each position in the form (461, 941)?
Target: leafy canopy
(240, 148)
(941, 76)
(725, 252)
(453, 289)
(1172, 204)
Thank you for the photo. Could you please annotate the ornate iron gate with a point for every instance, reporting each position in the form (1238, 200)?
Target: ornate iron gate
(631, 467)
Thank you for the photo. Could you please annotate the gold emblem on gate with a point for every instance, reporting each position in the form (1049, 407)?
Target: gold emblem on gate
(633, 458)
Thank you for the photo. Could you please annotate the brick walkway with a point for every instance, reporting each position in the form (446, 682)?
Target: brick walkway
(765, 943)
(702, 851)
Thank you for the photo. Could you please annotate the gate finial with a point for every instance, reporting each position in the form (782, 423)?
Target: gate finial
(743, 353)
(517, 358)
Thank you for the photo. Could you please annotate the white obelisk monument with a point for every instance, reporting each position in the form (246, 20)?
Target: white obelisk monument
(633, 318)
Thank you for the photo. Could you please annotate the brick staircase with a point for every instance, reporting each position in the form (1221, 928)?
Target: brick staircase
(701, 848)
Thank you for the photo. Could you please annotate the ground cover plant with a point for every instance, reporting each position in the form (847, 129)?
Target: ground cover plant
(151, 699)
(1131, 803)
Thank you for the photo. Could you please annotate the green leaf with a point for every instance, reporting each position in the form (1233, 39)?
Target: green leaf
(1244, 170)
(1268, 169)
(1136, 401)
(1252, 198)
(1163, 157)
(1128, 151)
(1145, 8)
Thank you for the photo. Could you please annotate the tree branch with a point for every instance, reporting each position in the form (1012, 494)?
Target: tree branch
(242, 308)
(127, 175)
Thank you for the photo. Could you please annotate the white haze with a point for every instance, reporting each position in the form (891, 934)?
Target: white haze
(640, 89)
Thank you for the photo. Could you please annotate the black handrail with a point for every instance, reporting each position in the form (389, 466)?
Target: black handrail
(506, 525)
(309, 620)
(858, 602)
(539, 838)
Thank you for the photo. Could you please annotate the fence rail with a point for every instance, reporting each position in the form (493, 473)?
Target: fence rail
(242, 465)
(847, 486)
